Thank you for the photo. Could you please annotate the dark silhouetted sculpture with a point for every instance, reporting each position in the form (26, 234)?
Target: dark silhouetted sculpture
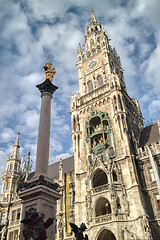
(78, 231)
(34, 226)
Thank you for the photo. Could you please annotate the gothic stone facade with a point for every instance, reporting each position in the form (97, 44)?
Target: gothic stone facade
(112, 186)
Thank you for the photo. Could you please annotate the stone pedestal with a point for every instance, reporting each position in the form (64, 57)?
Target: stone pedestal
(44, 199)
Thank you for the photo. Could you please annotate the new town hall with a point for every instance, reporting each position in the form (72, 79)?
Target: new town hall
(111, 183)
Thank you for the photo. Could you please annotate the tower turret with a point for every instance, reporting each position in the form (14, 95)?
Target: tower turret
(11, 176)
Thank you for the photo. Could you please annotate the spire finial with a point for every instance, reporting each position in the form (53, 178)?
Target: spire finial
(93, 19)
(17, 139)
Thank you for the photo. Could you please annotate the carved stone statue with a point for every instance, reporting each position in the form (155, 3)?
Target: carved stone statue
(34, 226)
(78, 231)
(49, 73)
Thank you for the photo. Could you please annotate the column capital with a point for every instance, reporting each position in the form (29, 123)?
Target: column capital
(47, 86)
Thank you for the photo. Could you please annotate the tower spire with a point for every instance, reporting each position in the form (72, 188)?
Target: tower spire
(93, 19)
(15, 150)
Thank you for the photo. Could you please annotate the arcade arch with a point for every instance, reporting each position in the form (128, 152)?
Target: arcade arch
(102, 207)
(106, 235)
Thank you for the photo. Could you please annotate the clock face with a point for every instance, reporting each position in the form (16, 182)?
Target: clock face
(93, 64)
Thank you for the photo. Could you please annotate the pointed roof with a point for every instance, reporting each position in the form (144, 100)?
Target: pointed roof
(15, 150)
(79, 48)
(93, 19)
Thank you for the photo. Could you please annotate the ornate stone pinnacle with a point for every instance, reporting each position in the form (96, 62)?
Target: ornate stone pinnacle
(49, 73)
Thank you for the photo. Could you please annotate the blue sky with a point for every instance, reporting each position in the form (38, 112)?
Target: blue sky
(32, 31)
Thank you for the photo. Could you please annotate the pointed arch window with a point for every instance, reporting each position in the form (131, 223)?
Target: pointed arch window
(11, 167)
(99, 178)
(8, 186)
(74, 123)
(16, 167)
(100, 80)
(114, 175)
(119, 209)
(115, 103)
(120, 103)
(90, 86)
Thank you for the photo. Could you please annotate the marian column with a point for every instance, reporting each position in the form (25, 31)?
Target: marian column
(47, 89)
(40, 194)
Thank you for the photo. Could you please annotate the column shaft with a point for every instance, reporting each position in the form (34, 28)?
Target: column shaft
(42, 160)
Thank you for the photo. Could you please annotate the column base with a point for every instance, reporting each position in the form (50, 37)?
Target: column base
(44, 199)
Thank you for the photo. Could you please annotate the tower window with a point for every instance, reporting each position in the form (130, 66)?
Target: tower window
(18, 213)
(119, 209)
(2, 217)
(152, 175)
(114, 176)
(120, 103)
(90, 86)
(158, 201)
(8, 186)
(100, 80)
(13, 215)
(74, 124)
(11, 166)
(16, 167)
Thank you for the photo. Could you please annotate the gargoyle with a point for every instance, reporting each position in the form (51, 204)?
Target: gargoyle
(78, 231)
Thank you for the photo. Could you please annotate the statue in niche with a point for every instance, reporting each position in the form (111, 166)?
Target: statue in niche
(78, 231)
(34, 226)
(49, 73)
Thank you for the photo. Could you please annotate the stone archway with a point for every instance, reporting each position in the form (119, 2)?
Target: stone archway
(102, 207)
(106, 235)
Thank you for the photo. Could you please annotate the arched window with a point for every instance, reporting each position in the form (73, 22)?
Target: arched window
(100, 80)
(16, 167)
(11, 167)
(120, 103)
(74, 123)
(115, 103)
(78, 146)
(78, 125)
(99, 178)
(119, 209)
(114, 175)
(75, 143)
(102, 207)
(90, 86)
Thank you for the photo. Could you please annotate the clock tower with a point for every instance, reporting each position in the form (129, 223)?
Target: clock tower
(106, 125)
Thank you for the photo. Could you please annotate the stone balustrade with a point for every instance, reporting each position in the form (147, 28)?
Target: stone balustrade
(103, 218)
(106, 187)
(101, 188)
